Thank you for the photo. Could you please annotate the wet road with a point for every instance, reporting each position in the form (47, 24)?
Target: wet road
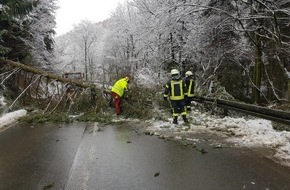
(90, 157)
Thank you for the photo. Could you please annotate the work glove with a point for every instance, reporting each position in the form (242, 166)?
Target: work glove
(166, 103)
(126, 97)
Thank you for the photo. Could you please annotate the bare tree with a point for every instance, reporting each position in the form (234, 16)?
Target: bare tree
(85, 35)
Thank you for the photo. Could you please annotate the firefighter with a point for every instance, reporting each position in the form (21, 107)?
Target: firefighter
(190, 85)
(118, 90)
(176, 90)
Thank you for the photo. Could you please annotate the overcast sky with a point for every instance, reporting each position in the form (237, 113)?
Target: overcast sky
(72, 12)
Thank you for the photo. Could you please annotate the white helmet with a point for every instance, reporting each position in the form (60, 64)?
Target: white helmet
(174, 72)
(188, 73)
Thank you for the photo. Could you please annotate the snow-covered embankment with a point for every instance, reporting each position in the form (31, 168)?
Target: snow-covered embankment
(11, 118)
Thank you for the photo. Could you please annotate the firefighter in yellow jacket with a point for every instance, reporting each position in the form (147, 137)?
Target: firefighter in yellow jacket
(118, 91)
(176, 90)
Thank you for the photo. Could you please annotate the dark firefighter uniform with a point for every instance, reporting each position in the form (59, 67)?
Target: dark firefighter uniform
(176, 90)
(190, 85)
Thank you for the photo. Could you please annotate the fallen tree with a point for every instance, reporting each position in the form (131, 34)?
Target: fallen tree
(56, 77)
(36, 86)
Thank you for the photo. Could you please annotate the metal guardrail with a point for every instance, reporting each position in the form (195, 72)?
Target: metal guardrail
(254, 110)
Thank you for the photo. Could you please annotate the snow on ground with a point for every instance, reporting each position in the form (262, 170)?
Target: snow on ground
(2, 101)
(240, 131)
(11, 117)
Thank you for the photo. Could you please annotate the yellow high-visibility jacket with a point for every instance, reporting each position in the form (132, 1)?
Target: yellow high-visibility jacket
(120, 86)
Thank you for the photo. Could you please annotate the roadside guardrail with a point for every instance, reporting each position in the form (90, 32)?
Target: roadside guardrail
(250, 109)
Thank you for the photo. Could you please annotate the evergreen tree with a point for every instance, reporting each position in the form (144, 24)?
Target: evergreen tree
(26, 30)
(12, 29)
(41, 24)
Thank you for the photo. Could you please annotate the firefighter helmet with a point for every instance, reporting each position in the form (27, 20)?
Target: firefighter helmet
(174, 72)
(188, 73)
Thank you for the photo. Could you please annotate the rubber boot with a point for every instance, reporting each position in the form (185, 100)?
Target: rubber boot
(185, 119)
(175, 120)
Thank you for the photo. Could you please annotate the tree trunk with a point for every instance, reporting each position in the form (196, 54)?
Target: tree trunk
(257, 71)
(43, 73)
(172, 50)
(86, 64)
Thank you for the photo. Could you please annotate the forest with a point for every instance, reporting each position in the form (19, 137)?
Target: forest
(239, 46)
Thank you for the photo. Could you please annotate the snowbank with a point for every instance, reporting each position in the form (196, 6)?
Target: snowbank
(11, 117)
(240, 131)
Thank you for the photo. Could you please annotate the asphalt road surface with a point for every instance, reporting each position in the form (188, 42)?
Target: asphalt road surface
(83, 156)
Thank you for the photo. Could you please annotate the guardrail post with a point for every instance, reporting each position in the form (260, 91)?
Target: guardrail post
(226, 112)
(288, 89)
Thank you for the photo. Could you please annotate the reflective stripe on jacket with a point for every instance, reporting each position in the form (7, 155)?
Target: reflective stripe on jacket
(175, 90)
(120, 86)
(190, 85)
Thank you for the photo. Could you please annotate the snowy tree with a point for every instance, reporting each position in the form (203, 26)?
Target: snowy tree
(123, 44)
(12, 30)
(27, 29)
(81, 50)
(262, 22)
(41, 32)
(243, 45)
(85, 34)
(67, 54)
